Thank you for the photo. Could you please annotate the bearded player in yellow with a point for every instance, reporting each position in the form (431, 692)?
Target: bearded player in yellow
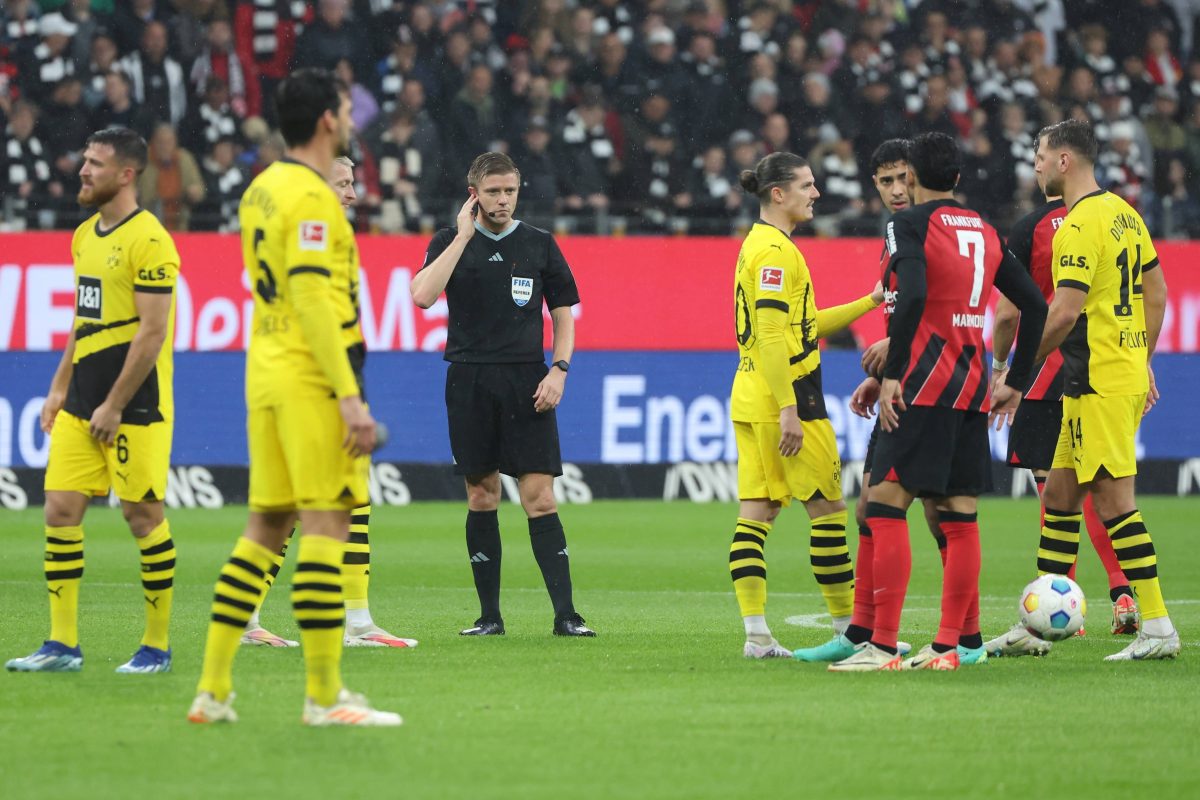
(361, 630)
(110, 409)
(309, 430)
(786, 445)
(1110, 297)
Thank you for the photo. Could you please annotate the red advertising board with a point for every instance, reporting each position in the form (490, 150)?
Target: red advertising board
(637, 293)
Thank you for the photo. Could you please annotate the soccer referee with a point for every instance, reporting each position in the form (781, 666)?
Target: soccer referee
(500, 396)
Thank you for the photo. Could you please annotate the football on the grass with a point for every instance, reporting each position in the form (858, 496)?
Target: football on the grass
(1053, 607)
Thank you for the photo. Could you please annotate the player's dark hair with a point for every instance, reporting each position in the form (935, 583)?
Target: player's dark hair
(890, 152)
(777, 169)
(491, 163)
(129, 147)
(302, 99)
(1074, 135)
(936, 159)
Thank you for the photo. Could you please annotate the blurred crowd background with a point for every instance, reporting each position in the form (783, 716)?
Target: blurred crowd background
(624, 117)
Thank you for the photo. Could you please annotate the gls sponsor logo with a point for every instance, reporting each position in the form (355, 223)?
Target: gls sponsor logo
(1079, 262)
(156, 274)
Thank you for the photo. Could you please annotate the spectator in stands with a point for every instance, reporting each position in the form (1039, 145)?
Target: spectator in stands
(1122, 168)
(218, 58)
(20, 21)
(452, 69)
(1166, 136)
(332, 36)
(713, 190)
(763, 100)
(706, 91)
(777, 135)
(64, 126)
(539, 174)
(590, 153)
(103, 58)
(659, 176)
(210, 120)
(119, 107)
(401, 68)
(158, 82)
(364, 108)
(26, 183)
(840, 184)
(172, 184)
(43, 66)
(818, 119)
(190, 31)
(661, 71)
(89, 23)
(132, 18)
(408, 179)
(264, 35)
(1178, 210)
(473, 123)
(224, 182)
(615, 74)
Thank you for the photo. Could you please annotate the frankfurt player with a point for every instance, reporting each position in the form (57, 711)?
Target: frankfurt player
(1109, 301)
(110, 410)
(934, 398)
(361, 630)
(1034, 434)
(786, 445)
(309, 430)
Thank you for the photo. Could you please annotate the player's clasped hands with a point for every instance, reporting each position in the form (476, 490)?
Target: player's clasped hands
(791, 435)
(549, 392)
(891, 403)
(360, 426)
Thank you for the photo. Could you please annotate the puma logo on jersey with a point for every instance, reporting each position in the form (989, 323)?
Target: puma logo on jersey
(1077, 227)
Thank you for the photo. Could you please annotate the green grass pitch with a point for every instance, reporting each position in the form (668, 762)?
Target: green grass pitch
(660, 705)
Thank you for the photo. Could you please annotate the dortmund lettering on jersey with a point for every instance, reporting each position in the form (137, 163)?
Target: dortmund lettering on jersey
(773, 300)
(294, 229)
(1102, 248)
(137, 255)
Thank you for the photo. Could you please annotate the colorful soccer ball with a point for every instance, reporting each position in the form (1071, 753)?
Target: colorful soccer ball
(1053, 607)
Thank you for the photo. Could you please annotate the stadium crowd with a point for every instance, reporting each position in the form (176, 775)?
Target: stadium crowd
(622, 116)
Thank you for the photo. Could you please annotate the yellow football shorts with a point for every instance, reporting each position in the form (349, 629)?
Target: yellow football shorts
(297, 461)
(1099, 432)
(135, 465)
(764, 473)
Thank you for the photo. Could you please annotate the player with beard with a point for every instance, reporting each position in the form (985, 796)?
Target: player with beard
(110, 409)
(309, 431)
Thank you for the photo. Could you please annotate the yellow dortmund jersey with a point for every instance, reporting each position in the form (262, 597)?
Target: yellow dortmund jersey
(137, 255)
(1102, 248)
(303, 267)
(776, 318)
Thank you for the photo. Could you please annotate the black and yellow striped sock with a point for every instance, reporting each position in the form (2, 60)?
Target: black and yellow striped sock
(1059, 546)
(317, 603)
(63, 565)
(1135, 552)
(238, 592)
(748, 566)
(158, 581)
(277, 562)
(356, 564)
(829, 556)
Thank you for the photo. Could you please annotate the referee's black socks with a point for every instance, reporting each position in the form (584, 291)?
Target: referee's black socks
(483, 548)
(550, 549)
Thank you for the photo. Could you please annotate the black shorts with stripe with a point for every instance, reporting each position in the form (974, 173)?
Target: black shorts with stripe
(936, 452)
(1034, 434)
(493, 425)
(869, 458)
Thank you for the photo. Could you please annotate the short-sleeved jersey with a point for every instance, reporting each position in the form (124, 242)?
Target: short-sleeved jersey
(495, 294)
(772, 274)
(960, 254)
(1102, 248)
(111, 266)
(1032, 242)
(292, 224)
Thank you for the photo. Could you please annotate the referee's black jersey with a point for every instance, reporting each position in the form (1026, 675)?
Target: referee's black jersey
(495, 293)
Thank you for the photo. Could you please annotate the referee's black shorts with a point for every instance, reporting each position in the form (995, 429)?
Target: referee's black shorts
(1034, 434)
(936, 452)
(492, 422)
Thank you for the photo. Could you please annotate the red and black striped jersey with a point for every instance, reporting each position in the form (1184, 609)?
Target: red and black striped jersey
(955, 255)
(1032, 242)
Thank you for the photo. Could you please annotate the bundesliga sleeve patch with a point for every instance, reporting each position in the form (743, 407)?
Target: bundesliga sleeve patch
(770, 279)
(314, 235)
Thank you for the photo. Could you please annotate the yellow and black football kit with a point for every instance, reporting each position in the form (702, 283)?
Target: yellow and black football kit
(306, 349)
(136, 255)
(1103, 248)
(779, 364)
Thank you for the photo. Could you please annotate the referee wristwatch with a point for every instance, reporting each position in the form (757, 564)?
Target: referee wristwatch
(563, 365)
